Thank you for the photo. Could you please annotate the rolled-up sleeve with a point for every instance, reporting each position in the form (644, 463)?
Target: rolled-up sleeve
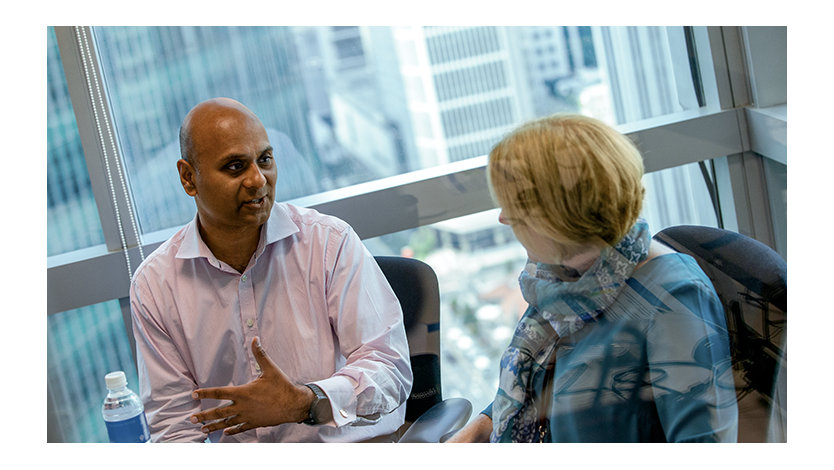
(366, 316)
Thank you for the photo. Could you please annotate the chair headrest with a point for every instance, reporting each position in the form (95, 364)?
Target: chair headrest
(750, 262)
(414, 283)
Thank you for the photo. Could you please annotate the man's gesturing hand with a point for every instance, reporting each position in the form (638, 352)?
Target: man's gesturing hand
(269, 400)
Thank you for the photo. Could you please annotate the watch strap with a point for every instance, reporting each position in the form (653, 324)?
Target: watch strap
(312, 419)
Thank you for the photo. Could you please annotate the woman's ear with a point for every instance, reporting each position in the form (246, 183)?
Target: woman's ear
(186, 171)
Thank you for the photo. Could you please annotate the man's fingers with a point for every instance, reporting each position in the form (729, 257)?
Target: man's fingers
(221, 412)
(217, 393)
(226, 423)
(239, 428)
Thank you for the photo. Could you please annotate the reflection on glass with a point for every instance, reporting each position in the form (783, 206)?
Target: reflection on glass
(351, 104)
(72, 220)
(83, 345)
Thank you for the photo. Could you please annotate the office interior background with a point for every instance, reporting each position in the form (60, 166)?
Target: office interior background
(386, 128)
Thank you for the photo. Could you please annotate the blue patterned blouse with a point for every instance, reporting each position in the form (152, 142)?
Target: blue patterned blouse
(654, 367)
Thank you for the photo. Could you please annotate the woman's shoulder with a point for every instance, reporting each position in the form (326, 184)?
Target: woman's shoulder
(674, 278)
(664, 263)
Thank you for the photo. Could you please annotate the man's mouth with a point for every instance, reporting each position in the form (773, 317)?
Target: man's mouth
(255, 202)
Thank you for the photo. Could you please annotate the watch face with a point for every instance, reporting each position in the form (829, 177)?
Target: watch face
(320, 410)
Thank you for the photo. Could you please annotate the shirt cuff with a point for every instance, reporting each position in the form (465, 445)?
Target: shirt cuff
(339, 391)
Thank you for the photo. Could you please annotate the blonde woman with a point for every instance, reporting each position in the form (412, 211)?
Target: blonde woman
(624, 340)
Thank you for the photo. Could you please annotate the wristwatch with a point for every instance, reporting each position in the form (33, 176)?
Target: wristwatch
(320, 407)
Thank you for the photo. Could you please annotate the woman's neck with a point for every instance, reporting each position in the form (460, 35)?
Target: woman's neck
(581, 257)
(583, 260)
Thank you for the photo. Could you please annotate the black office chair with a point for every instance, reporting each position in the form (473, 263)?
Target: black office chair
(429, 418)
(751, 281)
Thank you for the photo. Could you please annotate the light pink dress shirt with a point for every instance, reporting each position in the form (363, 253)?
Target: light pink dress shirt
(314, 296)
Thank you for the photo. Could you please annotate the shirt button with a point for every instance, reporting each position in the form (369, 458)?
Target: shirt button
(343, 413)
(243, 278)
(258, 367)
(249, 323)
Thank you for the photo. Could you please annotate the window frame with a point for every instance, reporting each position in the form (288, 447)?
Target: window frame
(720, 129)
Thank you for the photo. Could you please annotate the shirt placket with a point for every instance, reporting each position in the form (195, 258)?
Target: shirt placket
(248, 319)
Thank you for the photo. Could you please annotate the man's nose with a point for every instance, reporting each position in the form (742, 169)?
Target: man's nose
(255, 177)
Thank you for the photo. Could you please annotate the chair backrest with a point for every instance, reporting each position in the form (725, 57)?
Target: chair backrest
(415, 285)
(751, 281)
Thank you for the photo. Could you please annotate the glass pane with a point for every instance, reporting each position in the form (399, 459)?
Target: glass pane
(346, 105)
(677, 196)
(72, 220)
(477, 261)
(776, 176)
(83, 345)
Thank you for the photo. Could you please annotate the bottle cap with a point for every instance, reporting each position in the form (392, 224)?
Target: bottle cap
(115, 380)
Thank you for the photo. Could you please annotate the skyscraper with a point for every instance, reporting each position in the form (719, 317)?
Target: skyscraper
(462, 87)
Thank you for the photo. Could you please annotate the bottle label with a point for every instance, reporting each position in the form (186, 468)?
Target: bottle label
(130, 430)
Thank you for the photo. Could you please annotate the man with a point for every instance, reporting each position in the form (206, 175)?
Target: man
(261, 321)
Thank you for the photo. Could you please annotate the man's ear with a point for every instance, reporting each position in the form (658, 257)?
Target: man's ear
(187, 177)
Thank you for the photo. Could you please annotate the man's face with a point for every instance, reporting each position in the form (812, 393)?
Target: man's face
(232, 175)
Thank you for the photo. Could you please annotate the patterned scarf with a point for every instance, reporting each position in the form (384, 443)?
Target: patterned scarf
(557, 307)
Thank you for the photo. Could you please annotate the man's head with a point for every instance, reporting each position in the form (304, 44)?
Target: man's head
(227, 165)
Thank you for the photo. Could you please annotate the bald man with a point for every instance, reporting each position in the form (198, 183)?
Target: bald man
(261, 321)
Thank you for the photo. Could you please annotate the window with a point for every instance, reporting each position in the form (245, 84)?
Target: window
(452, 44)
(308, 102)
(83, 345)
(677, 196)
(72, 216)
(469, 81)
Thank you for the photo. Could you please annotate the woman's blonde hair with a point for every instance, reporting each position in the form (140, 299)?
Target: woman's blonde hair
(571, 177)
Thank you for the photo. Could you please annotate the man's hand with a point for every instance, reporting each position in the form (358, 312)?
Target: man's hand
(269, 400)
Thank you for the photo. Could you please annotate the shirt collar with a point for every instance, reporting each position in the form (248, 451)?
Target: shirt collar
(279, 226)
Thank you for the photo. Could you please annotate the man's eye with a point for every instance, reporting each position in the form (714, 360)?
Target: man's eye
(234, 166)
(265, 159)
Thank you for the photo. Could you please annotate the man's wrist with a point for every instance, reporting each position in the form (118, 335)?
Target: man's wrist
(306, 397)
(319, 409)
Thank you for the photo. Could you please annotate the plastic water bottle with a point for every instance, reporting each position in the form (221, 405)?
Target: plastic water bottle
(123, 412)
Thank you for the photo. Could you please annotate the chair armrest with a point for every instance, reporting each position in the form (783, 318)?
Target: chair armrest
(439, 421)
